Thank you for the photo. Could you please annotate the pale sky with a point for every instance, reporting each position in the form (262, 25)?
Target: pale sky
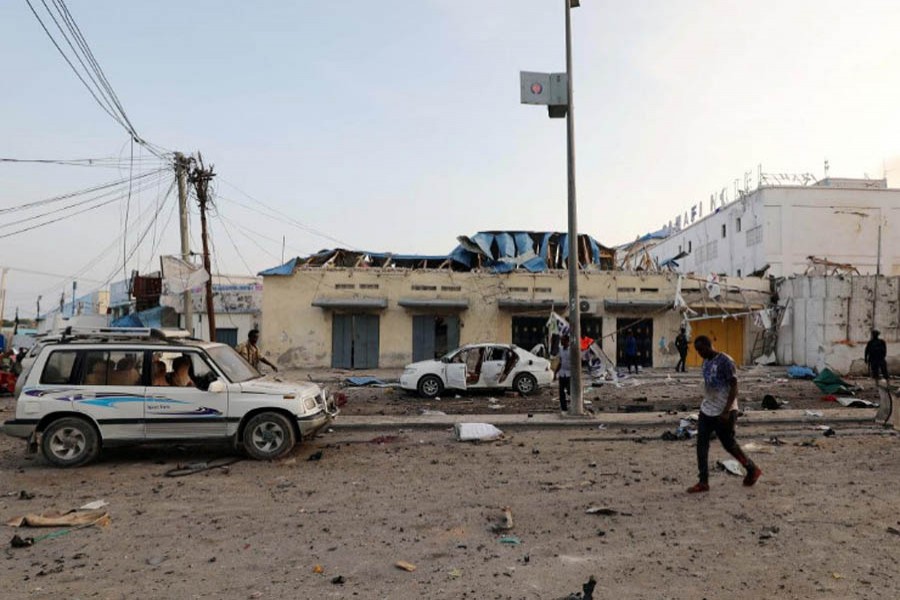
(396, 126)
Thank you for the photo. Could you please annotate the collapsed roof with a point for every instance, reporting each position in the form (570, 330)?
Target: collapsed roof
(492, 251)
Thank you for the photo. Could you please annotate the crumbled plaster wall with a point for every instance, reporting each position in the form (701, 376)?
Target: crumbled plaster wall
(830, 319)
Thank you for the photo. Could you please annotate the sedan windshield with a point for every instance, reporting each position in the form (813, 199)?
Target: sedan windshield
(232, 364)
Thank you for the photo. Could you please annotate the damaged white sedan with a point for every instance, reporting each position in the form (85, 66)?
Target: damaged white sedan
(479, 366)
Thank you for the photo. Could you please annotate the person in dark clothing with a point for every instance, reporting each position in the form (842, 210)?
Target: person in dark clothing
(876, 355)
(631, 352)
(681, 344)
(563, 372)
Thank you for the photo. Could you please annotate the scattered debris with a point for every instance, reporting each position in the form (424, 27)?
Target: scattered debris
(770, 402)
(829, 383)
(20, 542)
(506, 524)
(406, 566)
(510, 540)
(454, 573)
(317, 455)
(587, 591)
(855, 402)
(730, 466)
(155, 561)
(197, 467)
(774, 441)
(73, 518)
(339, 580)
(476, 432)
(425, 412)
(605, 512)
(893, 530)
(813, 413)
(633, 408)
(25, 495)
(800, 372)
(318, 569)
(384, 439)
(754, 447)
(768, 532)
(363, 381)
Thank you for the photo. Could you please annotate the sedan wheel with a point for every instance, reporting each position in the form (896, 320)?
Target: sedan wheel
(525, 383)
(430, 386)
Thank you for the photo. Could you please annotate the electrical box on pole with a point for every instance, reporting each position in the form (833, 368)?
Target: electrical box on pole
(548, 89)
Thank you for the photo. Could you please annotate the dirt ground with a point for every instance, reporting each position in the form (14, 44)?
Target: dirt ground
(659, 389)
(821, 523)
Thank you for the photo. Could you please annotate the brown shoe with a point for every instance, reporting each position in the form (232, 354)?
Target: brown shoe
(751, 476)
(698, 488)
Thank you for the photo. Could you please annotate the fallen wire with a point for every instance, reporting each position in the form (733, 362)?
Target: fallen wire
(192, 468)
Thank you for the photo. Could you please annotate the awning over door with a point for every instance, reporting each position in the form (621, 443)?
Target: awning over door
(529, 304)
(350, 303)
(636, 306)
(435, 303)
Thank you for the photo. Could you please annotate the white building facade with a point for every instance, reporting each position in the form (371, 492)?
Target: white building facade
(777, 229)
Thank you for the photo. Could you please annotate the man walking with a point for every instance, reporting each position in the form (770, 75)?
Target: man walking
(718, 413)
(563, 372)
(250, 351)
(876, 356)
(681, 344)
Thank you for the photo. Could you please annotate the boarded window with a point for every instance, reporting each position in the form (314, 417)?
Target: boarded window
(369, 286)
(424, 288)
(345, 286)
(451, 288)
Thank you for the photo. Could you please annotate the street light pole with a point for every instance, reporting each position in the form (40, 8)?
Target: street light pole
(576, 404)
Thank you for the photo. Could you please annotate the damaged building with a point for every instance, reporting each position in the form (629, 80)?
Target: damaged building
(361, 310)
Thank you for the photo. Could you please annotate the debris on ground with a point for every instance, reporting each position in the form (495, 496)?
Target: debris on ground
(72, 518)
(476, 432)
(510, 540)
(754, 447)
(730, 466)
(605, 512)
(813, 413)
(427, 412)
(384, 439)
(198, 467)
(768, 532)
(800, 372)
(893, 530)
(855, 402)
(829, 383)
(317, 455)
(586, 593)
(770, 402)
(25, 495)
(339, 580)
(363, 381)
(318, 569)
(633, 408)
(406, 566)
(506, 524)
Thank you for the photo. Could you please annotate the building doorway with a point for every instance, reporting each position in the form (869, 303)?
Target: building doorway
(434, 336)
(227, 335)
(643, 333)
(727, 336)
(354, 341)
(528, 332)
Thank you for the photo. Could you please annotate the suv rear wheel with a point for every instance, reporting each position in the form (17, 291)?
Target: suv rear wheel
(70, 442)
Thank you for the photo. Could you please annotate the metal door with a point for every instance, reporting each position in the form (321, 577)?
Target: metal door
(354, 341)
(227, 336)
(365, 341)
(423, 337)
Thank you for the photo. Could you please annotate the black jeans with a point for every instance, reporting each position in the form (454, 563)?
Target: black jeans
(725, 432)
(564, 393)
(680, 366)
(878, 367)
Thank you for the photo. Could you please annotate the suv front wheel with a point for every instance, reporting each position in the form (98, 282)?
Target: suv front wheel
(268, 435)
(70, 442)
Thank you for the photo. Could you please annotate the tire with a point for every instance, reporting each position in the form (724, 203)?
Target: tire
(430, 386)
(525, 384)
(268, 436)
(70, 442)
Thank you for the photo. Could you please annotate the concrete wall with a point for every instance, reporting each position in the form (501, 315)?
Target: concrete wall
(297, 334)
(829, 320)
(839, 224)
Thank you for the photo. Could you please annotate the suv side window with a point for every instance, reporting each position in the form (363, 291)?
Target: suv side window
(58, 369)
(118, 367)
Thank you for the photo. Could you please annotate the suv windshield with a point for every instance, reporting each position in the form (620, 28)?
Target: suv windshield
(232, 364)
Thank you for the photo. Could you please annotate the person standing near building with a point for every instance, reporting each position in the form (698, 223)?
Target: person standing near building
(876, 355)
(631, 351)
(718, 413)
(563, 371)
(250, 351)
(681, 344)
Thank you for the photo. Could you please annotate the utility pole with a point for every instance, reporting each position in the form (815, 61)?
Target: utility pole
(37, 318)
(576, 404)
(877, 275)
(181, 166)
(3, 272)
(200, 177)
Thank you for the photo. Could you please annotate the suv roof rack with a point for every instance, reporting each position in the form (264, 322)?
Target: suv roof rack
(121, 333)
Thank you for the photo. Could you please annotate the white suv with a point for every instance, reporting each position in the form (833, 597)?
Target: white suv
(90, 389)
